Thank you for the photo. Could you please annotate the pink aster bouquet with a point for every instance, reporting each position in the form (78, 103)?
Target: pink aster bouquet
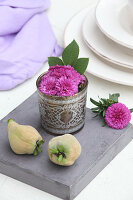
(116, 115)
(65, 77)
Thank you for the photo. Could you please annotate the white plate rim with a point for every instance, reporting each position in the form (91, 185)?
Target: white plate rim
(89, 71)
(109, 35)
(124, 65)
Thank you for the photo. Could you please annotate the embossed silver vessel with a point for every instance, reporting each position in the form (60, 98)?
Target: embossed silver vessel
(61, 115)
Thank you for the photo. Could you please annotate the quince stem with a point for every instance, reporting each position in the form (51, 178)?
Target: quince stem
(10, 120)
(38, 147)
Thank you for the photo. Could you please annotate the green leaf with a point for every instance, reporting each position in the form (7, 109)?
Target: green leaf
(52, 61)
(104, 113)
(94, 102)
(104, 101)
(104, 123)
(110, 96)
(61, 148)
(95, 111)
(114, 97)
(131, 110)
(40, 149)
(81, 65)
(54, 151)
(35, 152)
(95, 116)
(60, 158)
(96, 108)
(70, 53)
(40, 142)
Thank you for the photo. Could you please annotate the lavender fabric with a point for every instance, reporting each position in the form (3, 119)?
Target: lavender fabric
(26, 40)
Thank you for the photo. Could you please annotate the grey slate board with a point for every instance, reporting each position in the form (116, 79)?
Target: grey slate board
(99, 146)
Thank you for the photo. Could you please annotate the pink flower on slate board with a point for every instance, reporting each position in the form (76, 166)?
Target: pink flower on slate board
(117, 116)
(61, 81)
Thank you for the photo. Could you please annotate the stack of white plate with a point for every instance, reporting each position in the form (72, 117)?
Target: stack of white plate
(107, 29)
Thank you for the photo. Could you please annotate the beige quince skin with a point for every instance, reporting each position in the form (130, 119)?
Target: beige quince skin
(22, 138)
(72, 149)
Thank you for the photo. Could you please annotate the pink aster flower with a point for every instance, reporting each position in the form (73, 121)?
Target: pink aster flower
(68, 71)
(66, 87)
(48, 85)
(117, 116)
(61, 81)
(71, 72)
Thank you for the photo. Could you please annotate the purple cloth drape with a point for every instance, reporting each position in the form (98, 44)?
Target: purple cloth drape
(26, 40)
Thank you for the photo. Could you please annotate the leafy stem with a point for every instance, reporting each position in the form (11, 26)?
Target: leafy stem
(103, 104)
(59, 152)
(38, 147)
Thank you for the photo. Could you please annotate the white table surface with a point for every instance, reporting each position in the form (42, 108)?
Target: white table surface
(115, 182)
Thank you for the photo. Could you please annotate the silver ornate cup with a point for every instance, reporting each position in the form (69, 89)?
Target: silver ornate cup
(61, 115)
